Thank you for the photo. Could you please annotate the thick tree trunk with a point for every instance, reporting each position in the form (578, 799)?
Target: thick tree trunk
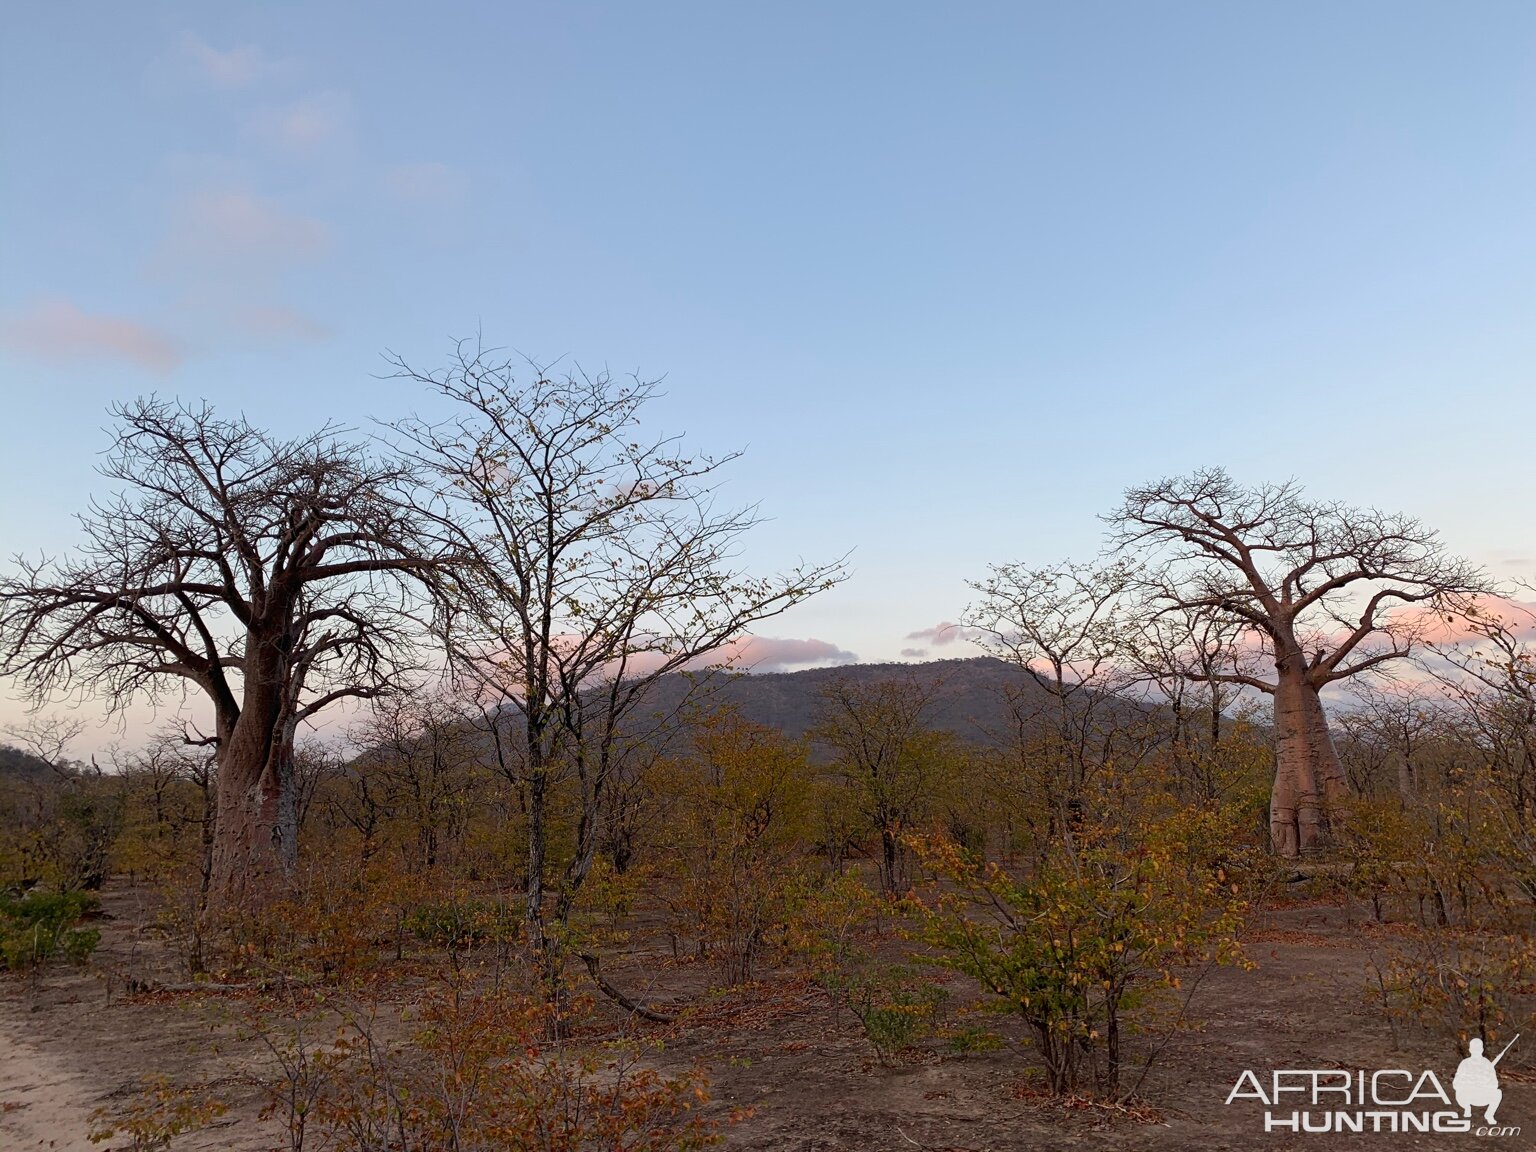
(1310, 785)
(1292, 801)
(255, 846)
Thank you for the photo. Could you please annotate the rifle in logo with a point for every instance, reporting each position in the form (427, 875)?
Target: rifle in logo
(1476, 1083)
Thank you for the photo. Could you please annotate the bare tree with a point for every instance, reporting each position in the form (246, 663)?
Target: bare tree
(1322, 592)
(48, 737)
(889, 758)
(74, 813)
(1392, 726)
(267, 575)
(1071, 629)
(426, 756)
(601, 565)
(1488, 668)
(1179, 656)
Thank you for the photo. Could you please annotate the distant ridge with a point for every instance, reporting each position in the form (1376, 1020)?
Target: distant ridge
(968, 697)
(18, 764)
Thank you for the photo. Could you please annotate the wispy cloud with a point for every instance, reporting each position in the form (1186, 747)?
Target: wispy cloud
(755, 654)
(944, 632)
(237, 67)
(238, 229)
(318, 123)
(59, 330)
(914, 653)
(229, 254)
(776, 654)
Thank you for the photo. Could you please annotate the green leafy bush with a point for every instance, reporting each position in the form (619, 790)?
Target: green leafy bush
(898, 1009)
(968, 1041)
(42, 925)
(1091, 945)
(460, 924)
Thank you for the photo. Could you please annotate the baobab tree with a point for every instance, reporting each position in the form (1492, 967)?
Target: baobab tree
(266, 576)
(599, 564)
(1321, 592)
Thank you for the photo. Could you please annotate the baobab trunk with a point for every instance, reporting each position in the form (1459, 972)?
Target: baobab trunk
(255, 846)
(1293, 799)
(1310, 785)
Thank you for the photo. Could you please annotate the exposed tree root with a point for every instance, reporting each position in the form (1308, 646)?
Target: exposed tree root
(618, 997)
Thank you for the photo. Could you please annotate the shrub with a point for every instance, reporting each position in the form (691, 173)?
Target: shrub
(477, 1075)
(1459, 984)
(331, 927)
(460, 924)
(41, 926)
(897, 1009)
(156, 1115)
(1086, 947)
(966, 1040)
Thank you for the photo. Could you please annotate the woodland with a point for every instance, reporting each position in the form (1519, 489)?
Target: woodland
(466, 827)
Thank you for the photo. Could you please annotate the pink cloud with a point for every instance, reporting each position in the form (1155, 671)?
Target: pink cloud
(754, 654)
(1516, 615)
(59, 330)
(945, 632)
(230, 68)
(1421, 623)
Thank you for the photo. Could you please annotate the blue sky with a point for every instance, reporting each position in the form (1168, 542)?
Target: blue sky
(953, 275)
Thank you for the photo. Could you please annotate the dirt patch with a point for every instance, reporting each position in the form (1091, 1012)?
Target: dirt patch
(783, 1052)
(43, 1102)
(76, 1041)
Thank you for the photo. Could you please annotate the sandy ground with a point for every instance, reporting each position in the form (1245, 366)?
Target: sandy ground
(73, 1043)
(50, 1089)
(76, 1043)
(44, 1103)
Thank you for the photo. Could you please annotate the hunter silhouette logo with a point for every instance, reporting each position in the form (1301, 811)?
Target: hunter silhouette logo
(1323, 1100)
(1477, 1083)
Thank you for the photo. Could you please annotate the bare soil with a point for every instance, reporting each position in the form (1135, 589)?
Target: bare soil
(79, 1039)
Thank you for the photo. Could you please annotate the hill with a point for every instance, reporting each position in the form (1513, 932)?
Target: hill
(968, 695)
(14, 763)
